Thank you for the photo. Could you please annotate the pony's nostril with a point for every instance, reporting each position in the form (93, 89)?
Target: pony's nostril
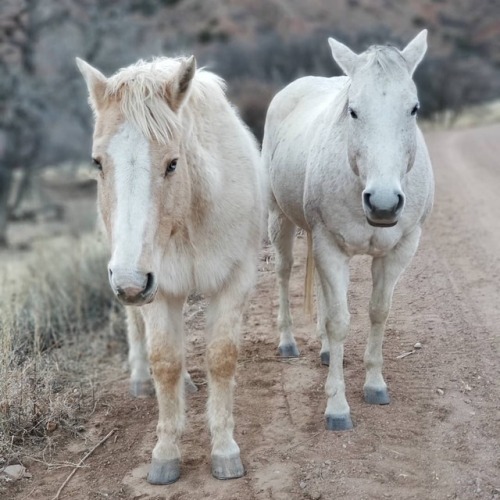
(366, 199)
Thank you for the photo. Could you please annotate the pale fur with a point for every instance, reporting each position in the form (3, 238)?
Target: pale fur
(210, 233)
(310, 148)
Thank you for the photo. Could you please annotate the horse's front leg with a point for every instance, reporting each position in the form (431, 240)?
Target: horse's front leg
(224, 317)
(333, 272)
(164, 332)
(385, 273)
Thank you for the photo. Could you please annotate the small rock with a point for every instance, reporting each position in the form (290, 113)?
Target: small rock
(51, 426)
(302, 484)
(417, 345)
(15, 472)
(315, 495)
(440, 391)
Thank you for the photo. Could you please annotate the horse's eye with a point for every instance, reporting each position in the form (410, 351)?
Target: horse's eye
(96, 163)
(353, 113)
(171, 166)
(415, 109)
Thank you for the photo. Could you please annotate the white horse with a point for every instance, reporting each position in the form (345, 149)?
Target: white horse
(348, 164)
(181, 196)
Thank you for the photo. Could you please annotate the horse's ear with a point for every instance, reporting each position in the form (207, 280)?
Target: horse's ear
(179, 89)
(414, 52)
(96, 83)
(343, 56)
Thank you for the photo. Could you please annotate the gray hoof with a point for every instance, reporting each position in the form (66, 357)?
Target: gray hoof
(325, 358)
(142, 388)
(289, 351)
(338, 422)
(227, 467)
(377, 396)
(164, 471)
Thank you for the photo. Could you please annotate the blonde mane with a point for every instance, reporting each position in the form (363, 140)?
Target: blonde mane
(143, 89)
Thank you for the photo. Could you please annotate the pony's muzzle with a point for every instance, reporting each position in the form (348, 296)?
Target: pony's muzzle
(132, 287)
(383, 208)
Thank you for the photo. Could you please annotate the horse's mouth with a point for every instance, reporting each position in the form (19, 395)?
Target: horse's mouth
(381, 224)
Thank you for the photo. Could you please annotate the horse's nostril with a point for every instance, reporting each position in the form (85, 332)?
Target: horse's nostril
(366, 199)
(149, 283)
(401, 201)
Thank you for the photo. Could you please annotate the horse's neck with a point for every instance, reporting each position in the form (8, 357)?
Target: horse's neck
(200, 186)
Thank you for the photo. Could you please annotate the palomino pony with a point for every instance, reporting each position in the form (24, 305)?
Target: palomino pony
(180, 193)
(348, 164)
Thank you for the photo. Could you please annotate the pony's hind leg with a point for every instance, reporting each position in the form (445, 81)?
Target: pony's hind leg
(164, 331)
(224, 316)
(141, 384)
(385, 273)
(281, 234)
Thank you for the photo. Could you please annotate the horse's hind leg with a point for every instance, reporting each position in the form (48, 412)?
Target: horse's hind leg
(321, 324)
(224, 316)
(385, 273)
(141, 384)
(281, 234)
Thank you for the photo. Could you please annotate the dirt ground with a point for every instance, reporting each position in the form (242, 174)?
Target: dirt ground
(440, 436)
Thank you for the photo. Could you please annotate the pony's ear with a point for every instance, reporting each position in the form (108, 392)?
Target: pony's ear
(179, 88)
(96, 83)
(343, 56)
(414, 52)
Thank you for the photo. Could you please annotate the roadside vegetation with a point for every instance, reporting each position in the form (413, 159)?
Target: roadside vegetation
(58, 321)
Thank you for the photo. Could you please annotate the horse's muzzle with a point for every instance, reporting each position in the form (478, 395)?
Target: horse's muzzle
(381, 209)
(133, 288)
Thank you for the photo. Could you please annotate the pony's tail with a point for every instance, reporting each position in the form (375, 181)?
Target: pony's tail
(309, 281)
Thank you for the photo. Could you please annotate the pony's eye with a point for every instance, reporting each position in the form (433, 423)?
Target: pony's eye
(353, 113)
(415, 109)
(96, 163)
(171, 166)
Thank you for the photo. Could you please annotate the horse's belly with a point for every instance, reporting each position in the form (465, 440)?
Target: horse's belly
(287, 183)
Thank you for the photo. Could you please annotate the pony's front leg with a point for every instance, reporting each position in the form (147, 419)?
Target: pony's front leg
(164, 331)
(385, 274)
(224, 317)
(141, 384)
(333, 271)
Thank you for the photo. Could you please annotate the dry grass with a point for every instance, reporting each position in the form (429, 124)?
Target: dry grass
(57, 319)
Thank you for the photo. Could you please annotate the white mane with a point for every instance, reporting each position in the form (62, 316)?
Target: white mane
(143, 90)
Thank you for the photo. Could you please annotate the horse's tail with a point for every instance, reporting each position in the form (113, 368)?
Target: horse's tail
(309, 281)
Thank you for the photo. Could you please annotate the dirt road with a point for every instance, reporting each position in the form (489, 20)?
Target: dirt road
(440, 436)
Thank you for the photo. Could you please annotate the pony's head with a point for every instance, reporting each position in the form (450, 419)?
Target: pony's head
(140, 165)
(381, 111)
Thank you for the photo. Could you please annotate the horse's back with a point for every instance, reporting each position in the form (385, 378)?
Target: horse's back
(289, 126)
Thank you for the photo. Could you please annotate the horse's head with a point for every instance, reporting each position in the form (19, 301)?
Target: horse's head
(382, 131)
(143, 187)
